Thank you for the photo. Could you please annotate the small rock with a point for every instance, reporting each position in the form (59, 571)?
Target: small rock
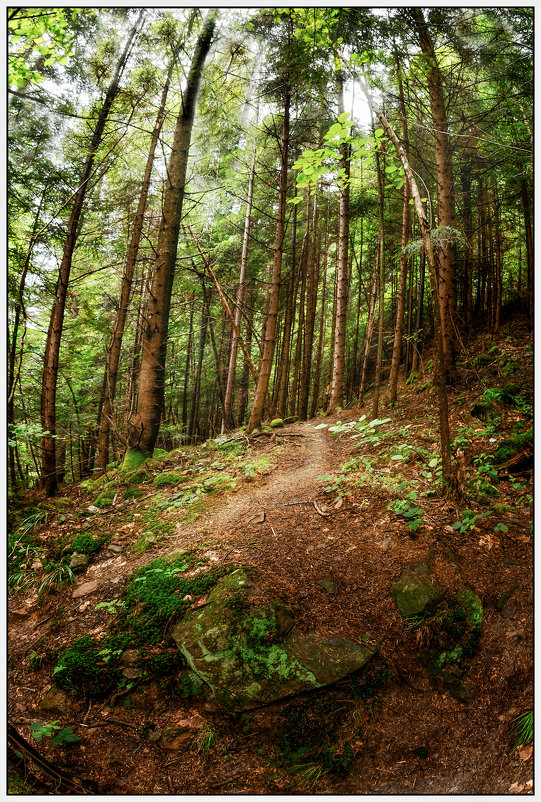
(187, 598)
(55, 701)
(92, 508)
(131, 673)
(36, 565)
(155, 736)
(339, 503)
(115, 548)
(416, 590)
(78, 561)
(85, 589)
(173, 737)
(130, 656)
(20, 613)
(504, 598)
(460, 692)
(329, 585)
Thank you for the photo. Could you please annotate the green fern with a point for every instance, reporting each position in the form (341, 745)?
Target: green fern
(523, 729)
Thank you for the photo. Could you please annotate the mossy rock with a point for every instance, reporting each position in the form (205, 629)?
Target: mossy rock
(291, 419)
(152, 464)
(249, 655)
(160, 453)
(416, 591)
(455, 633)
(138, 477)
(134, 459)
(513, 445)
(94, 484)
(174, 456)
(104, 499)
(485, 411)
(169, 478)
(480, 490)
(277, 423)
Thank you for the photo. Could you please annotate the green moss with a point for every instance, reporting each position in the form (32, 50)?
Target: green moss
(17, 785)
(512, 445)
(138, 477)
(104, 499)
(159, 453)
(88, 544)
(83, 671)
(170, 478)
(277, 423)
(134, 459)
(155, 597)
(133, 492)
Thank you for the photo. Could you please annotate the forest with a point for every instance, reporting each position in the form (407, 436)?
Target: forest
(270, 269)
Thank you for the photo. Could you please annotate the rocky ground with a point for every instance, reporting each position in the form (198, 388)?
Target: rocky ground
(327, 523)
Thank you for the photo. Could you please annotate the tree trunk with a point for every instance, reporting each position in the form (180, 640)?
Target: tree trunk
(265, 366)
(311, 302)
(113, 357)
(381, 298)
(370, 322)
(445, 194)
(339, 355)
(240, 298)
(54, 334)
(439, 363)
(144, 428)
(529, 248)
(406, 225)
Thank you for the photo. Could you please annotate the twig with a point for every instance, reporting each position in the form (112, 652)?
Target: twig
(317, 509)
(113, 721)
(43, 620)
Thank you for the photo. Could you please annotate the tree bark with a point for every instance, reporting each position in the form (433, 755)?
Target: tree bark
(445, 193)
(54, 335)
(449, 480)
(339, 355)
(113, 356)
(310, 318)
(265, 366)
(144, 428)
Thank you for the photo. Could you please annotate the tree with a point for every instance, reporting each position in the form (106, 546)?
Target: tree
(145, 425)
(54, 335)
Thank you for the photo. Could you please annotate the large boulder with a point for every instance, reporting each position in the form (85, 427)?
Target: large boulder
(246, 650)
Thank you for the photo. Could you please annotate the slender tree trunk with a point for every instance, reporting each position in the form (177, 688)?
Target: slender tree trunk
(144, 428)
(311, 302)
(339, 355)
(113, 357)
(498, 254)
(370, 322)
(291, 299)
(54, 334)
(187, 368)
(381, 299)
(467, 301)
(265, 366)
(419, 313)
(529, 248)
(319, 359)
(406, 225)
(196, 391)
(240, 297)
(449, 480)
(446, 195)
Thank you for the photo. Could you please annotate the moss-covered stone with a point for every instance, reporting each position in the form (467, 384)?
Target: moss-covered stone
(138, 477)
(104, 499)
(277, 423)
(246, 651)
(480, 490)
(159, 453)
(291, 419)
(134, 459)
(55, 701)
(416, 591)
(512, 445)
(169, 478)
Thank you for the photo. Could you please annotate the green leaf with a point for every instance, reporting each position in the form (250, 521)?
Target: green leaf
(333, 131)
(343, 117)
(379, 132)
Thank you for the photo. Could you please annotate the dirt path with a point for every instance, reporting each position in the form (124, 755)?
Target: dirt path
(310, 453)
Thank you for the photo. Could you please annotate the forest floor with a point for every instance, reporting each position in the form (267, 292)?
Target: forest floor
(307, 510)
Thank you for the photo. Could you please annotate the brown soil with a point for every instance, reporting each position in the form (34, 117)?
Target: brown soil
(361, 545)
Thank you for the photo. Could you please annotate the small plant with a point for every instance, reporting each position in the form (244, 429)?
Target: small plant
(523, 729)
(468, 522)
(66, 735)
(56, 576)
(110, 606)
(31, 520)
(501, 527)
(404, 508)
(83, 671)
(206, 741)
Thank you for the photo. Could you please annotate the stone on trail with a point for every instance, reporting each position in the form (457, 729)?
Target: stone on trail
(247, 652)
(55, 701)
(78, 561)
(416, 590)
